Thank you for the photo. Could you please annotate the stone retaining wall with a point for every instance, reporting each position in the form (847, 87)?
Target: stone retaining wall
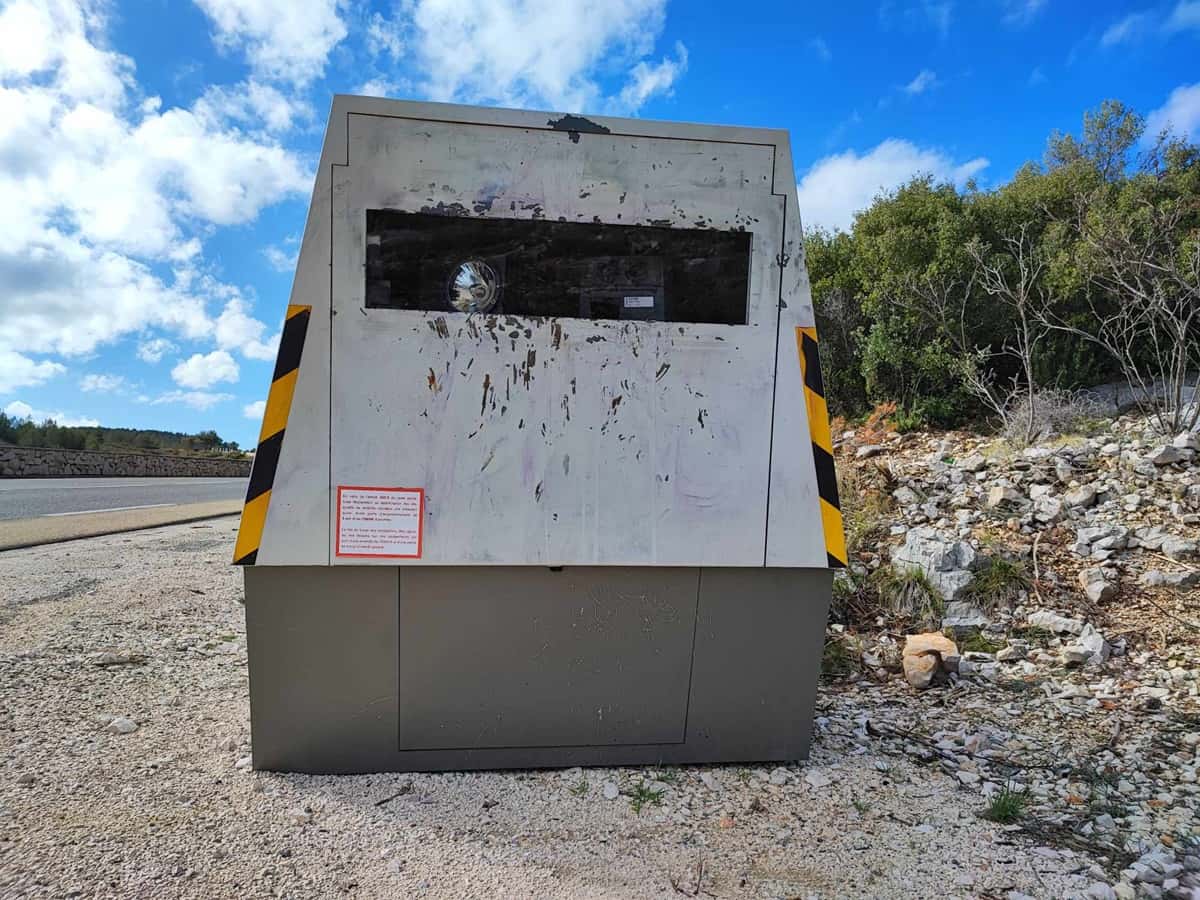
(36, 462)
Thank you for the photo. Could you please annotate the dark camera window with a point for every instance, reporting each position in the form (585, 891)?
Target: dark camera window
(556, 269)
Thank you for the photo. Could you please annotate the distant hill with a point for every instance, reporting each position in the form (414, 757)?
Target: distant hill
(27, 433)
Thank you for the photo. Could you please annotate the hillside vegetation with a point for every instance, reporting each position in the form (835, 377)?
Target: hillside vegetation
(26, 433)
(957, 305)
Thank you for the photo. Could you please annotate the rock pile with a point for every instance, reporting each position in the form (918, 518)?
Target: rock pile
(1079, 688)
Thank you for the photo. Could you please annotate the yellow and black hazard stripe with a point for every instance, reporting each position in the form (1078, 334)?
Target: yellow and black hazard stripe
(270, 437)
(822, 446)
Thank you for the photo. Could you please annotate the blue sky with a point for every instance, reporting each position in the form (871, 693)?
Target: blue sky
(156, 156)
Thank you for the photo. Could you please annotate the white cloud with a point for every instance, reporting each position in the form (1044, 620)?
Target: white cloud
(839, 185)
(101, 383)
(254, 105)
(385, 37)
(254, 410)
(18, 370)
(820, 49)
(1184, 17)
(19, 409)
(285, 40)
(107, 194)
(154, 350)
(201, 400)
(1180, 115)
(926, 80)
(1037, 76)
(1130, 28)
(378, 87)
(236, 330)
(282, 260)
(533, 53)
(646, 81)
(205, 370)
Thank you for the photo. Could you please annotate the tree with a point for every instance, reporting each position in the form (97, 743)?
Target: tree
(1110, 133)
(841, 321)
(1013, 276)
(1144, 254)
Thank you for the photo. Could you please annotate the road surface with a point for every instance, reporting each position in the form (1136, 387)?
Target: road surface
(27, 498)
(37, 511)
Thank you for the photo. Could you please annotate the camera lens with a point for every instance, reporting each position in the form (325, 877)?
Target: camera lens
(474, 287)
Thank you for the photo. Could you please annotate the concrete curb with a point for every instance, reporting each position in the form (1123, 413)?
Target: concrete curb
(16, 534)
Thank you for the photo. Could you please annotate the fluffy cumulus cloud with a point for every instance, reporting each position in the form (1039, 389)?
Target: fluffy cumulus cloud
(101, 383)
(18, 370)
(534, 52)
(838, 186)
(255, 410)
(108, 194)
(237, 330)
(1180, 115)
(287, 40)
(19, 409)
(154, 350)
(203, 370)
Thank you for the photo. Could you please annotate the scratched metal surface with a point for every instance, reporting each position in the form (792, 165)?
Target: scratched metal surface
(593, 442)
(558, 441)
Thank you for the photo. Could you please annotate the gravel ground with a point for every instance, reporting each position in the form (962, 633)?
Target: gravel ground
(147, 627)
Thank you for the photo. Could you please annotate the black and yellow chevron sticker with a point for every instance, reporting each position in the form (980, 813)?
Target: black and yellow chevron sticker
(270, 437)
(822, 446)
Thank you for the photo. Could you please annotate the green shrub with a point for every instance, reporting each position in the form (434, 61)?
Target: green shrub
(1006, 806)
(998, 583)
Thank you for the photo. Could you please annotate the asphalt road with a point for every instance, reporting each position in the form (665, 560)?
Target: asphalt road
(26, 498)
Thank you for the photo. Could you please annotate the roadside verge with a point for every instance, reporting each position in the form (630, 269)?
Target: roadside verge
(17, 533)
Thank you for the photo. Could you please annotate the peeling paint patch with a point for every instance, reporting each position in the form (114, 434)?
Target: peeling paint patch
(446, 209)
(662, 370)
(487, 383)
(576, 125)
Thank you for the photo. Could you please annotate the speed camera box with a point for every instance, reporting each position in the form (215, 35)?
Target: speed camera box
(545, 473)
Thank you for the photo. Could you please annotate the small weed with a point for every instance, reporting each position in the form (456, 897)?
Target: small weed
(862, 806)
(668, 776)
(1019, 685)
(1007, 806)
(580, 788)
(976, 642)
(743, 775)
(837, 659)
(908, 594)
(997, 584)
(1102, 786)
(1035, 634)
(642, 796)
(867, 506)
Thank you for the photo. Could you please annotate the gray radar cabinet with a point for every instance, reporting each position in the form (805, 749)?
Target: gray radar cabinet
(545, 474)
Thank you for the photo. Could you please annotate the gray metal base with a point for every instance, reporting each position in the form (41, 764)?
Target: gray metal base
(373, 669)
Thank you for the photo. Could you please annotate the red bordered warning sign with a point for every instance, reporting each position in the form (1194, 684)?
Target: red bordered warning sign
(379, 522)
